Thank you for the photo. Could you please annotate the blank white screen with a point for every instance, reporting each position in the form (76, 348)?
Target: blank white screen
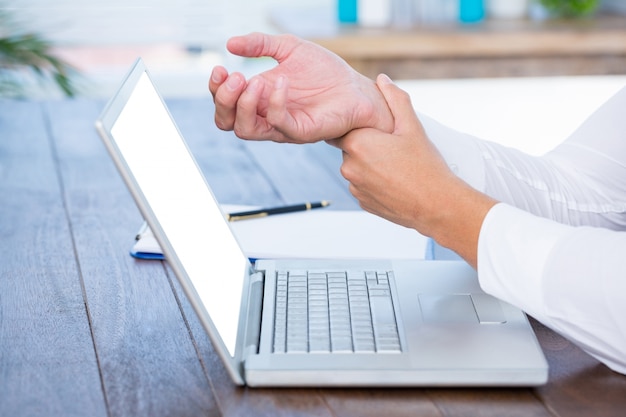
(183, 205)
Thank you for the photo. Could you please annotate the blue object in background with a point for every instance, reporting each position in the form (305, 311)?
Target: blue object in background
(471, 11)
(347, 11)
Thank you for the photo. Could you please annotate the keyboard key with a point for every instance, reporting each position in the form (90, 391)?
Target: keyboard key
(334, 312)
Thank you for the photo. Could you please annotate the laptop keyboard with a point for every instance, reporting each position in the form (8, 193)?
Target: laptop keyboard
(334, 312)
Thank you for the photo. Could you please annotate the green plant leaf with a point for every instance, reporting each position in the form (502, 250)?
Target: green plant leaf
(570, 8)
(22, 51)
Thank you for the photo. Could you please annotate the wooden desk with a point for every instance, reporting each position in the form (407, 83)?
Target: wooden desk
(490, 49)
(87, 330)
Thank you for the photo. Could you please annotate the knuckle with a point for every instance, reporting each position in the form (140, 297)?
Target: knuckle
(352, 146)
(345, 172)
(404, 95)
(221, 124)
(221, 101)
(240, 132)
(224, 120)
(244, 131)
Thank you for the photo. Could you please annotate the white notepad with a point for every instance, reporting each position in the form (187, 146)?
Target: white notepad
(315, 234)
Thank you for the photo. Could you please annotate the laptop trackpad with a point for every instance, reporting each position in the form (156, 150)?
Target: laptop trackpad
(460, 308)
(448, 308)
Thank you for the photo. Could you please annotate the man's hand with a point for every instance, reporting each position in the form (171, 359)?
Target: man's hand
(402, 177)
(311, 95)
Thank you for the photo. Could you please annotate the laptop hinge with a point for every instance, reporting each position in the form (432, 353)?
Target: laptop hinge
(255, 309)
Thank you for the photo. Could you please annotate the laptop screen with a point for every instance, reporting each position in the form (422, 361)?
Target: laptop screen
(185, 209)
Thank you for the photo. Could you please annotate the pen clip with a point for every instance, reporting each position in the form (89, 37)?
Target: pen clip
(246, 217)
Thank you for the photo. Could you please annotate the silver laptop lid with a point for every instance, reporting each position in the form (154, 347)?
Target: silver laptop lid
(175, 200)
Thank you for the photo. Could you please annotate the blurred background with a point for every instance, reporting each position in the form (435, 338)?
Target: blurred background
(181, 40)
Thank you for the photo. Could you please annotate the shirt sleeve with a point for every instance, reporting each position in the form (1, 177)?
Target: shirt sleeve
(572, 279)
(580, 182)
(462, 152)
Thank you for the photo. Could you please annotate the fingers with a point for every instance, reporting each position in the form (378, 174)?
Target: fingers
(337, 143)
(399, 103)
(352, 146)
(226, 90)
(237, 106)
(248, 123)
(358, 141)
(256, 45)
(250, 46)
(246, 118)
(277, 113)
(218, 76)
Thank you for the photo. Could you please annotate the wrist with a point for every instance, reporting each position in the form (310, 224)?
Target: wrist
(457, 221)
(374, 112)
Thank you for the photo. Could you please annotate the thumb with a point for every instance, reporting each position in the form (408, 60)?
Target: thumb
(400, 105)
(256, 44)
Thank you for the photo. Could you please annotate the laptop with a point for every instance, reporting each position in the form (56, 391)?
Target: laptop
(309, 323)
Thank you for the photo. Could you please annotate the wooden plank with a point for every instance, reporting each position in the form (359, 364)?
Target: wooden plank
(149, 363)
(234, 177)
(482, 402)
(381, 402)
(579, 385)
(48, 365)
(299, 174)
(494, 402)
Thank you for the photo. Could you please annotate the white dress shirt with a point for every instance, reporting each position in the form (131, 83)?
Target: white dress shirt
(556, 244)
